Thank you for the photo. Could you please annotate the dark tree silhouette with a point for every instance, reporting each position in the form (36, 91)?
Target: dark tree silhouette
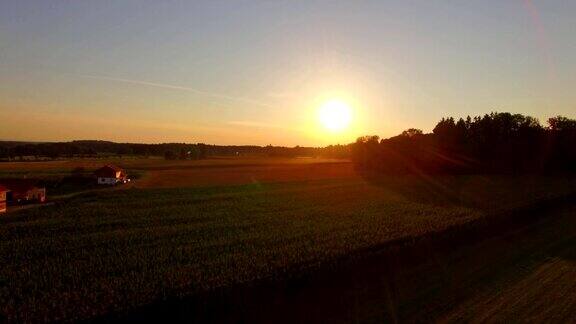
(560, 123)
(496, 142)
(11, 150)
(411, 132)
(170, 155)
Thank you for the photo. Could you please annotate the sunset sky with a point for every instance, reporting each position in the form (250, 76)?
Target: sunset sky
(257, 72)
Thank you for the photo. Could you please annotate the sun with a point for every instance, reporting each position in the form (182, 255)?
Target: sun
(335, 115)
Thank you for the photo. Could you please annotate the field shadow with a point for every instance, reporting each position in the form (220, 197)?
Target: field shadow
(439, 190)
(488, 193)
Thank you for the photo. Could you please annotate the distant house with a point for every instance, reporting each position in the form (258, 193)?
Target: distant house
(3, 192)
(23, 191)
(111, 175)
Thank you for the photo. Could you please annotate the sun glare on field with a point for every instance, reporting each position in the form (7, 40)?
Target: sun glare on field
(335, 115)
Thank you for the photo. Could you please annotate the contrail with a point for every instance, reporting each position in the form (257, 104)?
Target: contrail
(181, 88)
(541, 37)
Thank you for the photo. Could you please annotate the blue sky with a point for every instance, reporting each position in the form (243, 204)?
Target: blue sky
(255, 72)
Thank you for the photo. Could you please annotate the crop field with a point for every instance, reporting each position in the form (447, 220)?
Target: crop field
(152, 163)
(521, 275)
(525, 276)
(246, 173)
(113, 250)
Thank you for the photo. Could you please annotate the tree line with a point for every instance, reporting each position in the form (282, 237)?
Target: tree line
(14, 151)
(492, 143)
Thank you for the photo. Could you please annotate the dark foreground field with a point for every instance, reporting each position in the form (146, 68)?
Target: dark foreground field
(124, 253)
(494, 275)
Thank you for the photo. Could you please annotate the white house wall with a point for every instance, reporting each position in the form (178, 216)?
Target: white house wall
(108, 181)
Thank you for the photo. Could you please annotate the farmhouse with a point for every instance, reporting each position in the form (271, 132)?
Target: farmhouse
(3, 192)
(111, 175)
(23, 191)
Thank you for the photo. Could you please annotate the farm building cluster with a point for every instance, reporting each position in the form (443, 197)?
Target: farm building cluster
(14, 191)
(20, 191)
(111, 175)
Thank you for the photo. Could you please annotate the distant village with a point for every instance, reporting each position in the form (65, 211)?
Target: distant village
(18, 192)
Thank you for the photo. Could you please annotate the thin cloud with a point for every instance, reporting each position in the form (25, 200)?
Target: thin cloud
(180, 88)
(280, 95)
(249, 123)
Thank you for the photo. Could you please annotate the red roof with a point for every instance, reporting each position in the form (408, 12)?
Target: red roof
(108, 171)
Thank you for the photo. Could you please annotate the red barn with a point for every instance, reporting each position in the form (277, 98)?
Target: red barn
(3, 192)
(111, 175)
(23, 190)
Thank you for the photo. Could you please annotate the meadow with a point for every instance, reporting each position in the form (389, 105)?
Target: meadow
(110, 251)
